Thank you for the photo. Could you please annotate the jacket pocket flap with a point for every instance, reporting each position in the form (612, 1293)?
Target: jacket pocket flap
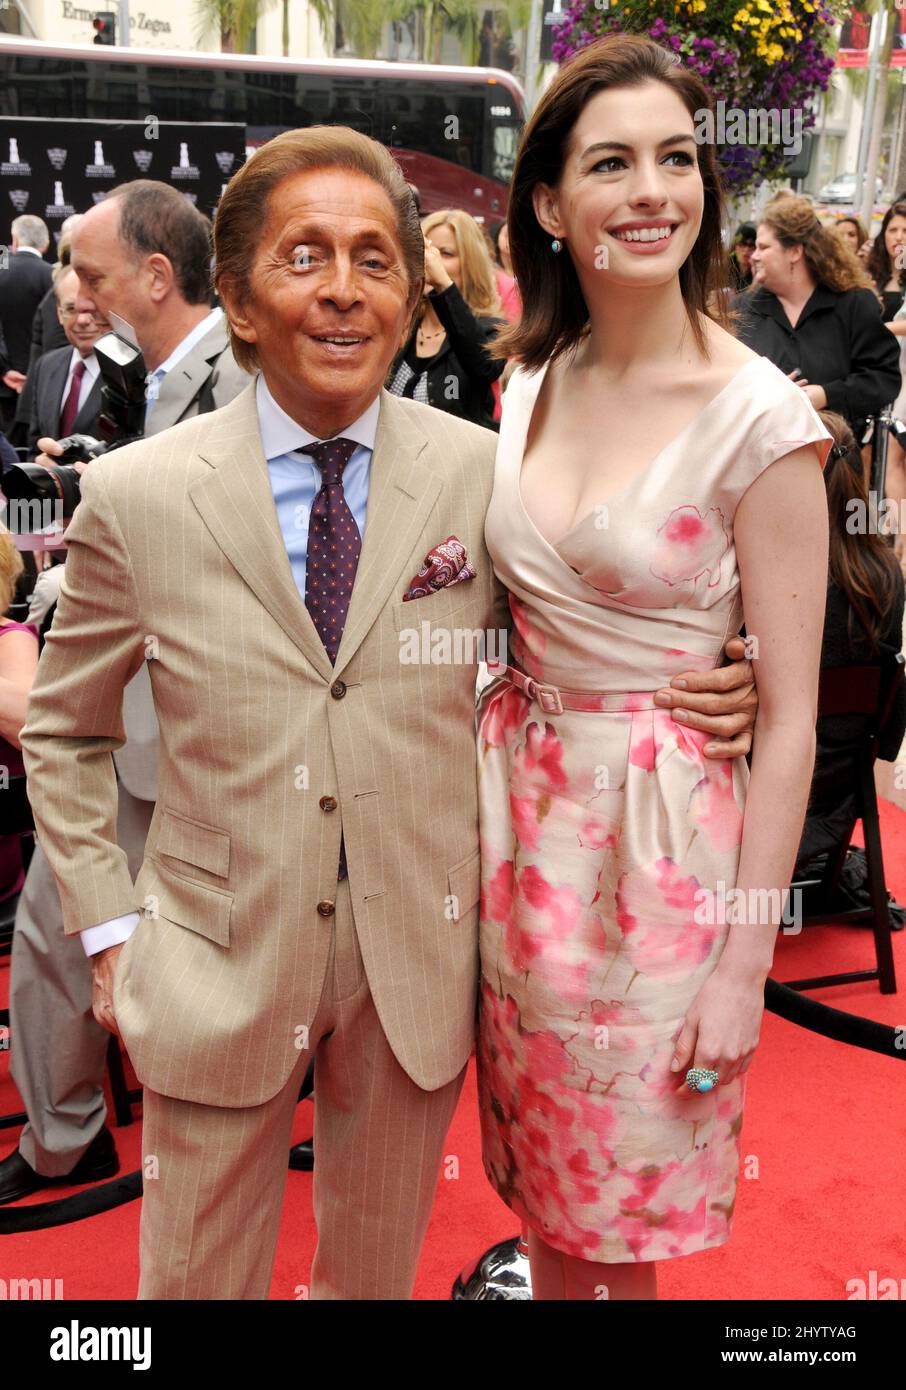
(465, 884)
(194, 843)
(161, 892)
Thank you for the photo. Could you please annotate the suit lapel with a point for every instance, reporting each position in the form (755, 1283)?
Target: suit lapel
(52, 382)
(401, 492)
(236, 503)
(183, 382)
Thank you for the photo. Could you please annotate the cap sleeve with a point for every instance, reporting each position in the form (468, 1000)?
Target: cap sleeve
(784, 420)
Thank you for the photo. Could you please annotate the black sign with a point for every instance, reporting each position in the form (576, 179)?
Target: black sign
(56, 167)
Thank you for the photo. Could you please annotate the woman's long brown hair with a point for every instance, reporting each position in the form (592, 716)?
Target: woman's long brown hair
(861, 564)
(878, 260)
(554, 312)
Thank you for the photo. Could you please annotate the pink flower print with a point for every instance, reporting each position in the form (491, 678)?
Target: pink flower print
(713, 808)
(655, 908)
(689, 544)
(563, 905)
(497, 892)
(529, 644)
(502, 713)
(551, 932)
(648, 1215)
(599, 834)
(624, 1033)
(540, 760)
(527, 814)
(644, 743)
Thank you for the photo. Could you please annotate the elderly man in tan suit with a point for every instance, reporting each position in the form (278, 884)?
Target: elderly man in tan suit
(296, 735)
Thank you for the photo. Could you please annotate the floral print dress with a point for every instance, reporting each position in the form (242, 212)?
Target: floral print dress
(602, 833)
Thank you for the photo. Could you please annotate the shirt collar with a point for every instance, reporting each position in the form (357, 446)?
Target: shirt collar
(281, 434)
(763, 301)
(92, 365)
(32, 251)
(188, 342)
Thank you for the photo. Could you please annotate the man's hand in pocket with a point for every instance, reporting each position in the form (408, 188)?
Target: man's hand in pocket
(103, 973)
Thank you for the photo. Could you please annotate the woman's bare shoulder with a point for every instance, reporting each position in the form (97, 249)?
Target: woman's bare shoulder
(728, 354)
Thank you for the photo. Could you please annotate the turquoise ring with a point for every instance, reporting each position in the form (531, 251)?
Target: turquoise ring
(701, 1079)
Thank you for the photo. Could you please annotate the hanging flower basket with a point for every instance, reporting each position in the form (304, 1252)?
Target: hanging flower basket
(765, 61)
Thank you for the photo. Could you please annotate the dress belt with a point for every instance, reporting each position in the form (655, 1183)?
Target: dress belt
(553, 700)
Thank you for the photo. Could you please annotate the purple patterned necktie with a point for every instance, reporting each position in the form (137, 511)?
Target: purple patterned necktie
(334, 545)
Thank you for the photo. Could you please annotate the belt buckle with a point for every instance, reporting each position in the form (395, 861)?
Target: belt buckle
(548, 697)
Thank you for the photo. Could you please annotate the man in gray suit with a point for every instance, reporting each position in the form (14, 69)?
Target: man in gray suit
(66, 386)
(144, 254)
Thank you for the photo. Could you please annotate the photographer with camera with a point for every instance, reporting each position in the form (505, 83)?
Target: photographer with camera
(143, 254)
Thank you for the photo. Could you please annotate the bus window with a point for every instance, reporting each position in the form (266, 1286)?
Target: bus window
(439, 119)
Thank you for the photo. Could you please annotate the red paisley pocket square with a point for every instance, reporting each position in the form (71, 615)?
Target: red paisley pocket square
(444, 565)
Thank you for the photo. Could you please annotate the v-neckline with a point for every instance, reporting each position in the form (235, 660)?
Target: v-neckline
(643, 472)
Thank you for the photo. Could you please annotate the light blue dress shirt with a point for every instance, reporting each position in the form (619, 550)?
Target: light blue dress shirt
(295, 482)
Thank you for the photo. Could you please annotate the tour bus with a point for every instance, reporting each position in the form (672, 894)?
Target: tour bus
(454, 130)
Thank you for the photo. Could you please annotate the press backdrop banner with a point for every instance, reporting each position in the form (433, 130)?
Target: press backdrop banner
(56, 167)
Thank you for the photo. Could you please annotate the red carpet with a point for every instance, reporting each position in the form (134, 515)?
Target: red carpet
(821, 1198)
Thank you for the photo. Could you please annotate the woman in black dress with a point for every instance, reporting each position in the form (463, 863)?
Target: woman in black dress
(813, 311)
(445, 362)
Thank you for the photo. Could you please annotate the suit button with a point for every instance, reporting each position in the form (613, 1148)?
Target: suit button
(328, 803)
(338, 690)
(326, 908)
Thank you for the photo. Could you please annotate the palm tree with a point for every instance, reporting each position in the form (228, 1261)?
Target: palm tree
(235, 21)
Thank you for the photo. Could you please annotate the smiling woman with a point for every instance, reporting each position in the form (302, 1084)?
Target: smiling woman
(652, 470)
(555, 311)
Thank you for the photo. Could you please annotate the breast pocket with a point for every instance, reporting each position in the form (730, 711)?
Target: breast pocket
(437, 608)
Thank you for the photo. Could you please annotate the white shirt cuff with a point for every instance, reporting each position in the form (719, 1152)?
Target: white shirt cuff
(112, 933)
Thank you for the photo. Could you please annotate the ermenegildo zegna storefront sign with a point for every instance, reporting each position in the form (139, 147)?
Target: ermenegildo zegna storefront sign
(57, 167)
(141, 21)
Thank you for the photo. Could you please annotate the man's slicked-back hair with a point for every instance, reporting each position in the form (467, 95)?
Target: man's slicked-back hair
(242, 211)
(158, 219)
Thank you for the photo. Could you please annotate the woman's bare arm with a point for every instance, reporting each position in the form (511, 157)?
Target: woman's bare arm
(781, 533)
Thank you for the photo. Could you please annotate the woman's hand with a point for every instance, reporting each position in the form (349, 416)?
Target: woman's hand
(722, 1027)
(815, 394)
(435, 271)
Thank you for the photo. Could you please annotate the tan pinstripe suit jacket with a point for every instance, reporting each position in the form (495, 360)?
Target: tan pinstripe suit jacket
(176, 550)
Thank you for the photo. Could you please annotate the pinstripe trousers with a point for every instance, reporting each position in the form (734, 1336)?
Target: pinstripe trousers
(214, 1177)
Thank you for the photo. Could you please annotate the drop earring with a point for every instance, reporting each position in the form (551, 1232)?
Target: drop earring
(556, 245)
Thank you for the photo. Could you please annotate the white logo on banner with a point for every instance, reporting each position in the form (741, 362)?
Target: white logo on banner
(59, 207)
(15, 165)
(225, 160)
(57, 157)
(192, 197)
(19, 198)
(99, 169)
(185, 169)
(99, 197)
(143, 159)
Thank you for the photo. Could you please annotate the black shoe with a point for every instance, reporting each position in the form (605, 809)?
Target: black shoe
(302, 1156)
(18, 1178)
